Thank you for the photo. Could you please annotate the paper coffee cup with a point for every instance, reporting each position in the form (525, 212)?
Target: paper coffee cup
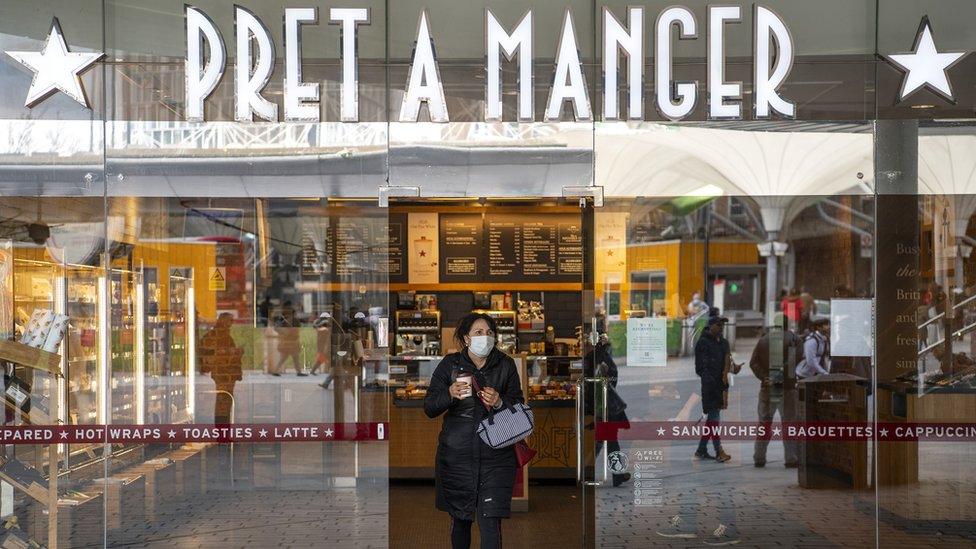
(465, 379)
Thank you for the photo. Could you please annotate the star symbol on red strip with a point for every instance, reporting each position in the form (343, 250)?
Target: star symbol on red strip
(263, 433)
(660, 431)
(172, 434)
(329, 432)
(64, 435)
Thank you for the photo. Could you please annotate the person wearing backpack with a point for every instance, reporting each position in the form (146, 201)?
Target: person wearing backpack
(473, 481)
(816, 351)
(772, 363)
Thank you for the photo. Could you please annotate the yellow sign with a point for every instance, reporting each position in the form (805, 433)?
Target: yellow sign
(218, 279)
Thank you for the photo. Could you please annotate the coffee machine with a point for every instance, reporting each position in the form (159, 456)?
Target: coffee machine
(418, 333)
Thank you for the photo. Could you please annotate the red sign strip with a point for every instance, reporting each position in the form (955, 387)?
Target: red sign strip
(788, 430)
(179, 433)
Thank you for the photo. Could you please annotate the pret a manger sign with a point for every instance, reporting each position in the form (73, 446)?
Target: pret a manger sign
(626, 37)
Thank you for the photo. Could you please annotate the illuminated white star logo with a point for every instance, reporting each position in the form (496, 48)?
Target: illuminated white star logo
(263, 433)
(660, 431)
(55, 68)
(776, 431)
(328, 433)
(64, 435)
(925, 66)
(884, 433)
(172, 434)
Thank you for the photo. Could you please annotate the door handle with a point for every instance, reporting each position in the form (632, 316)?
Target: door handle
(580, 418)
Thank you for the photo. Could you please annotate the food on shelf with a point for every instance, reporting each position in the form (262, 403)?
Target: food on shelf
(552, 390)
(411, 392)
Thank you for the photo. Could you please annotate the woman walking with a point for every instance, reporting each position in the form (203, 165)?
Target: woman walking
(473, 480)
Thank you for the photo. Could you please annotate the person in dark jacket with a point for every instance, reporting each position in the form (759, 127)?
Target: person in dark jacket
(773, 361)
(711, 353)
(221, 358)
(473, 480)
(598, 362)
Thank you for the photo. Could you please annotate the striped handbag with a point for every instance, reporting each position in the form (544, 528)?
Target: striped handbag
(506, 426)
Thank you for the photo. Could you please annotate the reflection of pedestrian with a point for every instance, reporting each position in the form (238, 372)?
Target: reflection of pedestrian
(792, 307)
(713, 362)
(696, 306)
(772, 363)
(808, 308)
(323, 347)
(711, 353)
(287, 326)
(264, 310)
(598, 362)
(816, 351)
(221, 358)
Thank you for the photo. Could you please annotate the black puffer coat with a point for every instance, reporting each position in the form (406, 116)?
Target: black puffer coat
(470, 475)
(710, 354)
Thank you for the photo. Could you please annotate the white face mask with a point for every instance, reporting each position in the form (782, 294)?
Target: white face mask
(481, 345)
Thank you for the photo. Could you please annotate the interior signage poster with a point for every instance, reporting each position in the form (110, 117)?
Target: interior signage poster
(851, 327)
(647, 341)
(610, 256)
(422, 248)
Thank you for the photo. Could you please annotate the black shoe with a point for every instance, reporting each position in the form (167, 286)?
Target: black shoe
(620, 479)
(759, 463)
(302, 374)
(703, 454)
(276, 374)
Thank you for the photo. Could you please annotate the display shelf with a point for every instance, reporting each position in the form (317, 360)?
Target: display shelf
(30, 357)
(28, 479)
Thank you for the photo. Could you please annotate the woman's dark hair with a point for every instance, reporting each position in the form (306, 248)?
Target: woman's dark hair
(468, 320)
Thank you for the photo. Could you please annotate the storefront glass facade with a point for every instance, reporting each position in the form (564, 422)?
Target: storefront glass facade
(257, 269)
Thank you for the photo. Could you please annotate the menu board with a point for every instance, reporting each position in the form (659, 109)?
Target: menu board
(462, 248)
(395, 251)
(448, 247)
(534, 247)
(352, 240)
(569, 250)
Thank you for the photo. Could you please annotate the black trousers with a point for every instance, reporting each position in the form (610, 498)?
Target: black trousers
(490, 529)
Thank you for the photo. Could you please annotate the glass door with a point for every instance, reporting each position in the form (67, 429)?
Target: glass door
(702, 293)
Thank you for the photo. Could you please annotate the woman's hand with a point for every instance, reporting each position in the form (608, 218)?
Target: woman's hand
(490, 397)
(458, 389)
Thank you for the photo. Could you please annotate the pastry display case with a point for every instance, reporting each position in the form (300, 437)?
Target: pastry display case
(552, 379)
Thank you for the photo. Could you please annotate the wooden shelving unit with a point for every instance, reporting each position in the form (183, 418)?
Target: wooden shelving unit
(30, 357)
